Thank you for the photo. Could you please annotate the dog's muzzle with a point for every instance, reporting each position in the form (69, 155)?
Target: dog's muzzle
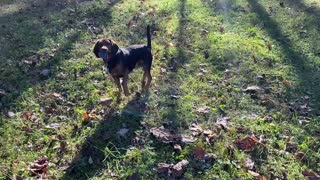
(103, 55)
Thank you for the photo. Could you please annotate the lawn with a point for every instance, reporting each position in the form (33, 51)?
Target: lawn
(235, 91)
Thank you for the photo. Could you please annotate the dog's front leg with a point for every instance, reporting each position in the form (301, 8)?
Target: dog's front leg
(125, 84)
(117, 82)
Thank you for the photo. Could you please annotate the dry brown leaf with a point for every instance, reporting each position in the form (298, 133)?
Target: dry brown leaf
(254, 174)
(253, 89)
(300, 155)
(27, 129)
(203, 110)
(247, 144)
(57, 95)
(85, 116)
(177, 147)
(221, 29)
(106, 101)
(39, 167)
(163, 167)
(187, 139)
(223, 123)
(179, 168)
(27, 115)
(287, 83)
(311, 175)
(249, 164)
(164, 135)
(196, 129)
(199, 153)
(262, 177)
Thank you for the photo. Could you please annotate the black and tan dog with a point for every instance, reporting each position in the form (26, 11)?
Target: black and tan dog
(119, 62)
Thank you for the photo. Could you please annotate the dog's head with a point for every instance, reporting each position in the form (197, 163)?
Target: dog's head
(105, 48)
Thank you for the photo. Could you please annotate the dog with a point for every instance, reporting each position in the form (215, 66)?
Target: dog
(119, 62)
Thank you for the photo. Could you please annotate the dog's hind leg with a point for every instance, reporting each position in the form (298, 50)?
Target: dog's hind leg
(143, 82)
(125, 84)
(117, 82)
(147, 75)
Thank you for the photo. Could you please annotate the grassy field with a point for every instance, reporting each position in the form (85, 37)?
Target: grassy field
(238, 80)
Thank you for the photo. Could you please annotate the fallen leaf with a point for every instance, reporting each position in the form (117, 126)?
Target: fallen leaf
(223, 123)
(177, 147)
(106, 101)
(247, 144)
(300, 155)
(209, 157)
(39, 167)
(57, 95)
(53, 126)
(163, 168)
(196, 129)
(287, 84)
(187, 139)
(85, 116)
(164, 135)
(163, 70)
(93, 116)
(249, 164)
(254, 174)
(311, 175)
(179, 168)
(27, 115)
(262, 177)
(221, 29)
(253, 89)
(27, 129)
(203, 110)
(210, 138)
(199, 153)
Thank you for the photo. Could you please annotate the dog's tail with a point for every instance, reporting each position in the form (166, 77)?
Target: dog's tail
(148, 37)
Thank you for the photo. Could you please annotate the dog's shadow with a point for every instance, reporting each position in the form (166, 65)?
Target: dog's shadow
(110, 140)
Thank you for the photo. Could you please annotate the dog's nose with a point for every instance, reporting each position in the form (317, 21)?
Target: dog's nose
(104, 48)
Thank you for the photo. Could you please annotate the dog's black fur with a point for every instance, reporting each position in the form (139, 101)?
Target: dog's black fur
(121, 61)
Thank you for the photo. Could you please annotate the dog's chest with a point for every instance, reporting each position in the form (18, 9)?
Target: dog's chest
(117, 71)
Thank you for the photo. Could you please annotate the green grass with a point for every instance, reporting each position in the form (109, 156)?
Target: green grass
(205, 54)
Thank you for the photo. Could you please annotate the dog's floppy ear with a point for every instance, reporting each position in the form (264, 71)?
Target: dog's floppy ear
(114, 47)
(96, 49)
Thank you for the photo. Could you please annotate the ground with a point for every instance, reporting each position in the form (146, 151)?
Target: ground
(235, 90)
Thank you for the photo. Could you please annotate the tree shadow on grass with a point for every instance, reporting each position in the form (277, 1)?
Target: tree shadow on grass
(306, 71)
(106, 148)
(308, 74)
(174, 64)
(312, 11)
(40, 26)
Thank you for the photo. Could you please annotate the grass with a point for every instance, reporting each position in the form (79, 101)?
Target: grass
(205, 54)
